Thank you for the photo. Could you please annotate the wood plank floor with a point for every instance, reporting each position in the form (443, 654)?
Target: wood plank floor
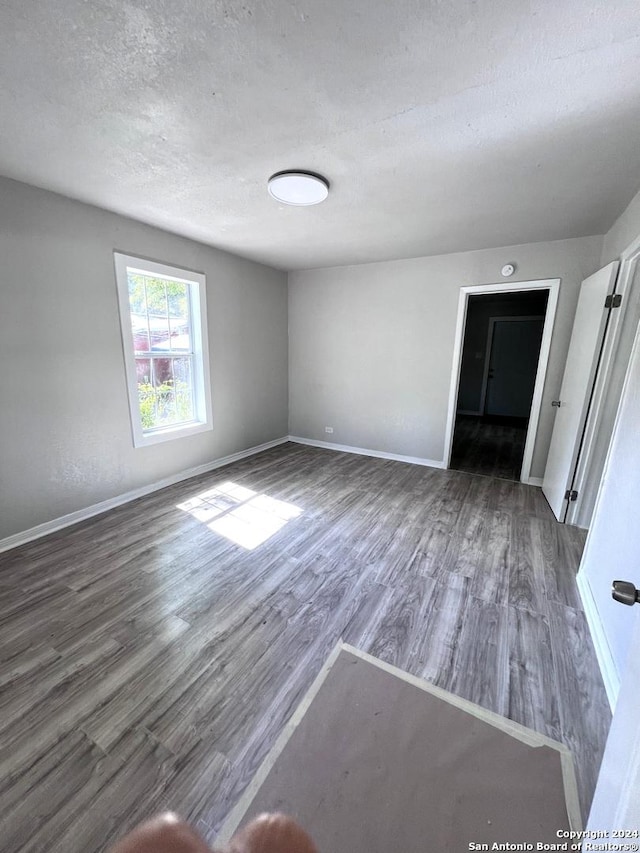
(493, 449)
(149, 661)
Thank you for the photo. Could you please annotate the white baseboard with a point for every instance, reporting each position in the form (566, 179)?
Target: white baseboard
(534, 481)
(363, 451)
(603, 652)
(40, 530)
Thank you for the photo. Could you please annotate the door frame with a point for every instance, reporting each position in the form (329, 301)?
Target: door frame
(553, 286)
(624, 285)
(487, 355)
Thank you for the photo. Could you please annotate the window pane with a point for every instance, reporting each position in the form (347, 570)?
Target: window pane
(163, 387)
(143, 370)
(146, 393)
(165, 392)
(180, 334)
(179, 316)
(140, 331)
(156, 296)
(137, 301)
(156, 395)
(160, 334)
(158, 317)
(183, 380)
(138, 310)
(178, 299)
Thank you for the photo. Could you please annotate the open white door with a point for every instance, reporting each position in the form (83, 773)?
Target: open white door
(616, 802)
(613, 553)
(579, 374)
(612, 550)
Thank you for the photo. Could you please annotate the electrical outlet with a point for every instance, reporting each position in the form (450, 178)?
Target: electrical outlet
(328, 429)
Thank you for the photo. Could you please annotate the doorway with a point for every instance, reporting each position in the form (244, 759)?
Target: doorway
(502, 347)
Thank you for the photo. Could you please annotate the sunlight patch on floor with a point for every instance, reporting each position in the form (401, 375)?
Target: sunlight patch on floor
(240, 514)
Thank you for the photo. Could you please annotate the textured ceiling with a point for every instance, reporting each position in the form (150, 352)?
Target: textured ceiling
(443, 125)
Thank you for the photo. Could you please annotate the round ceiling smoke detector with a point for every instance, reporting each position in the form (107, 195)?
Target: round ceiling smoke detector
(298, 188)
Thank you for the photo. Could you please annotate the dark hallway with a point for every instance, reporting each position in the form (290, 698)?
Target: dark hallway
(502, 338)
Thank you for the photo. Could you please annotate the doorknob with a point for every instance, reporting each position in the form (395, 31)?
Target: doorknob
(556, 403)
(625, 592)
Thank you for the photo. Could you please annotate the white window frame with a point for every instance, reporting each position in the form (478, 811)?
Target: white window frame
(203, 420)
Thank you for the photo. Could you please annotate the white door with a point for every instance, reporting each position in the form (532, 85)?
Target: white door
(613, 553)
(616, 802)
(577, 382)
(515, 349)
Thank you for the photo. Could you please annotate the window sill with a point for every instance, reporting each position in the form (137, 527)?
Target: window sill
(144, 439)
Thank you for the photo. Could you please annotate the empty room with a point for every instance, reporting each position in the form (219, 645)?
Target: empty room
(319, 459)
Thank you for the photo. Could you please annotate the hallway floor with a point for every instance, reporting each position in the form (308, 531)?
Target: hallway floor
(493, 447)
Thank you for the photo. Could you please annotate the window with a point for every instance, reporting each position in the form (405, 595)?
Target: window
(163, 319)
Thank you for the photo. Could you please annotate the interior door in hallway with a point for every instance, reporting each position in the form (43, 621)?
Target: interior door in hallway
(515, 349)
(589, 328)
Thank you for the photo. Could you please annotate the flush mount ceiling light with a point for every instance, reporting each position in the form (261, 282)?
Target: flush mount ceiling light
(298, 188)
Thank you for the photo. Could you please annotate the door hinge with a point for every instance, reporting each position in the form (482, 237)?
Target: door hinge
(613, 300)
(571, 495)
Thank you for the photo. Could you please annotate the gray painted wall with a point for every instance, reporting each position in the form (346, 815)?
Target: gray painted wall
(623, 232)
(371, 346)
(64, 419)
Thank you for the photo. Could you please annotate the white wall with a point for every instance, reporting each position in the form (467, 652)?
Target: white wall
(622, 233)
(371, 346)
(65, 435)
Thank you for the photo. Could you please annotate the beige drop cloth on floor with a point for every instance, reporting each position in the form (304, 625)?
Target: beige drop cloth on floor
(375, 764)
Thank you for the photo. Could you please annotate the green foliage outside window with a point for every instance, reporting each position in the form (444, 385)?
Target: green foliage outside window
(165, 404)
(162, 296)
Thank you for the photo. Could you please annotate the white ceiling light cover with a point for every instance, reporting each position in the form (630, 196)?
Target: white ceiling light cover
(298, 188)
